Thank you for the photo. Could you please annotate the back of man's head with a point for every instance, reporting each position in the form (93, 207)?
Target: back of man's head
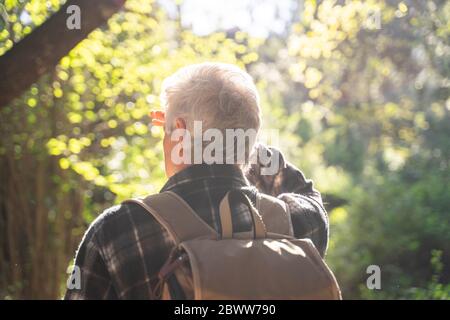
(221, 96)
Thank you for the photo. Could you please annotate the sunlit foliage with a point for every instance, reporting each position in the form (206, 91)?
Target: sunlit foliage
(359, 91)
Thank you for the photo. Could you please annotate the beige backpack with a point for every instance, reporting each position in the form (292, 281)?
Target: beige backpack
(266, 263)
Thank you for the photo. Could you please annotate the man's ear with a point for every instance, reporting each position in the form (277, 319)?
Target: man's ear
(180, 123)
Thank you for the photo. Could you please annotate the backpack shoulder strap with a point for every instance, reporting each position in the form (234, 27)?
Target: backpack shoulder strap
(275, 214)
(175, 215)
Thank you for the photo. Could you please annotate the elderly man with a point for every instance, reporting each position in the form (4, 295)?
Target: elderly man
(125, 247)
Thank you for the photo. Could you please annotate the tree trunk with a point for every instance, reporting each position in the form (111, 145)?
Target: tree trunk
(40, 51)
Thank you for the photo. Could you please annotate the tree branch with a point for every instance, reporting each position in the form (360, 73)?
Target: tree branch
(40, 51)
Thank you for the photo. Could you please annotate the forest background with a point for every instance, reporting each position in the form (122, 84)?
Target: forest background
(359, 91)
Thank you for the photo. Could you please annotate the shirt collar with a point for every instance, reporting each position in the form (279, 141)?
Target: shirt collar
(203, 171)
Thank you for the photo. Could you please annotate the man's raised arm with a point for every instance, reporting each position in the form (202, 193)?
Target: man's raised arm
(309, 217)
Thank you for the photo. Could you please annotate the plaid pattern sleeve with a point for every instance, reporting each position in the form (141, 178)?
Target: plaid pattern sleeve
(94, 278)
(309, 217)
(120, 255)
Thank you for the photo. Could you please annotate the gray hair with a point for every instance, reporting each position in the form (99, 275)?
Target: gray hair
(221, 96)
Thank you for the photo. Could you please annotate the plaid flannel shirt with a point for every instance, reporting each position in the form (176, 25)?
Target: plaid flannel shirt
(123, 250)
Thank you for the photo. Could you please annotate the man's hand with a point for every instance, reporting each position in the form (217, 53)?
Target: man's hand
(268, 184)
